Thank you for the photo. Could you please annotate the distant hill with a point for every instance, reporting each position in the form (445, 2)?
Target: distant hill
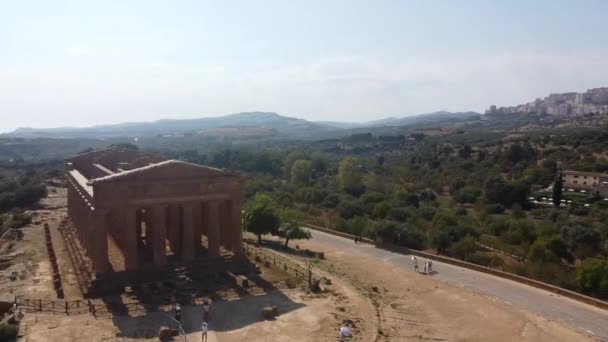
(240, 125)
(420, 118)
(263, 122)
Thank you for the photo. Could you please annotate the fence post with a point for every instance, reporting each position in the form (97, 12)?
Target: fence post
(309, 275)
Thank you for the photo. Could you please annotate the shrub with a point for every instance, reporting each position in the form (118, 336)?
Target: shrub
(440, 240)
(19, 219)
(407, 236)
(350, 208)
(310, 195)
(468, 194)
(427, 212)
(495, 209)
(463, 248)
(497, 225)
(399, 214)
(331, 201)
(372, 197)
(8, 331)
(592, 277)
(380, 210)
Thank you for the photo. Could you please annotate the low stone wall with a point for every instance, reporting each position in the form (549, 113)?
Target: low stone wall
(531, 282)
(341, 234)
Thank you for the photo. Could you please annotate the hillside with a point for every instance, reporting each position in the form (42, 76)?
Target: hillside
(248, 124)
(278, 124)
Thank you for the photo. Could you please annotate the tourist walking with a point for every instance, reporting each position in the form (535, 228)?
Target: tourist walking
(430, 266)
(206, 308)
(204, 330)
(344, 332)
(178, 312)
(415, 263)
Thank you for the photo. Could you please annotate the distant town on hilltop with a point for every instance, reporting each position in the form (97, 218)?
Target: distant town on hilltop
(593, 101)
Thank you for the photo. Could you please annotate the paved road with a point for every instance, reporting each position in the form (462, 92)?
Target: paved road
(577, 315)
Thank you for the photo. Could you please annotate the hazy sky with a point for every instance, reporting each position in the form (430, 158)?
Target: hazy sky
(74, 63)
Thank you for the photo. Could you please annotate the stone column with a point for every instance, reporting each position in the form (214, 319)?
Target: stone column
(187, 237)
(138, 226)
(205, 212)
(70, 201)
(130, 243)
(174, 227)
(84, 224)
(197, 213)
(213, 229)
(98, 240)
(226, 233)
(237, 225)
(157, 224)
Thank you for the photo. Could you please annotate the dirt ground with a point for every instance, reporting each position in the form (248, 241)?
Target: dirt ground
(303, 316)
(23, 251)
(418, 308)
(26, 269)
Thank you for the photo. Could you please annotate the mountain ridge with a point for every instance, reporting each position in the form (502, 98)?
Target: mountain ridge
(280, 125)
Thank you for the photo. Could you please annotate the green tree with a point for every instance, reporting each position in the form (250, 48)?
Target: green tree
(440, 240)
(301, 172)
(291, 226)
(291, 158)
(464, 247)
(380, 210)
(350, 176)
(261, 217)
(592, 277)
(465, 152)
(557, 190)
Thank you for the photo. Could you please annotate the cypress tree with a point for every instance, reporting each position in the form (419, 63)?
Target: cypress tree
(557, 189)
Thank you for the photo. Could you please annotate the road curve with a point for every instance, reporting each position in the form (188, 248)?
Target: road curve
(579, 316)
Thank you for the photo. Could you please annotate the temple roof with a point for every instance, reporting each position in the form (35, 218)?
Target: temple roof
(166, 170)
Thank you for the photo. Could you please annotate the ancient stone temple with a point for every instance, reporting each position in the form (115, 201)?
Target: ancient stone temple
(145, 212)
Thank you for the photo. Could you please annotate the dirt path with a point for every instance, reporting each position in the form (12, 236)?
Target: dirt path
(416, 307)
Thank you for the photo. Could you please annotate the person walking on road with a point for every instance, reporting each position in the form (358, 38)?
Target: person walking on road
(206, 308)
(178, 312)
(415, 260)
(204, 330)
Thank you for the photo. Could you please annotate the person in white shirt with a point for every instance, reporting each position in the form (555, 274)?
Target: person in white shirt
(204, 330)
(415, 263)
(178, 312)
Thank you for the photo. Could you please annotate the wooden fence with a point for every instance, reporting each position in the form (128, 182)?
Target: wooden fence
(300, 273)
(77, 307)
(64, 307)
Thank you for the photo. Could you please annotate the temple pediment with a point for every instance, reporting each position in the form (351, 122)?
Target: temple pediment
(166, 170)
